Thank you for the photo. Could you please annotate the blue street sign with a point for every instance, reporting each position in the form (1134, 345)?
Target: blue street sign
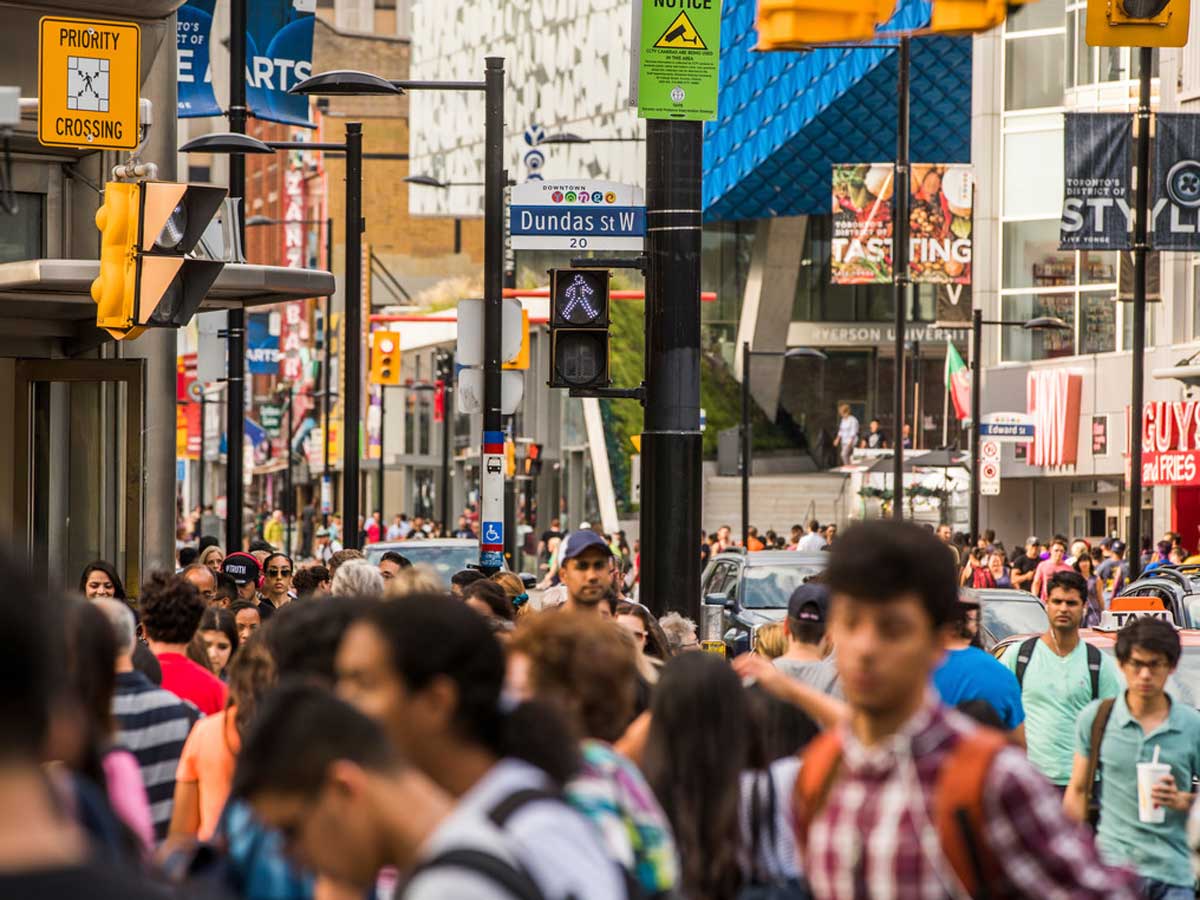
(1001, 431)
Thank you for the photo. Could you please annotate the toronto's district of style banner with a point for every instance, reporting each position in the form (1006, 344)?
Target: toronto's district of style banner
(940, 209)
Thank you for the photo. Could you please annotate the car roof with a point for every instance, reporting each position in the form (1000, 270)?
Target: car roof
(1000, 595)
(778, 558)
(1188, 637)
(400, 546)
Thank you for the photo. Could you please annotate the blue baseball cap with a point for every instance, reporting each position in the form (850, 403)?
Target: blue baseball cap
(578, 541)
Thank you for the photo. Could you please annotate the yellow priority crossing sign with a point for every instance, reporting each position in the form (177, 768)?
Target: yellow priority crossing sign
(89, 76)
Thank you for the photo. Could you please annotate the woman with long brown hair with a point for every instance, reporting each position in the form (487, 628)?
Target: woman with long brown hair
(205, 772)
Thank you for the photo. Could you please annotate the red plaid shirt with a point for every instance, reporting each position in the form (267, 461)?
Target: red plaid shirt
(874, 838)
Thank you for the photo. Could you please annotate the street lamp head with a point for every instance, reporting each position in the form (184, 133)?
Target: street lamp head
(565, 138)
(227, 142)
(804, 353)
(427, 180)
(345, 82)
(1046, 323)
(258, 219)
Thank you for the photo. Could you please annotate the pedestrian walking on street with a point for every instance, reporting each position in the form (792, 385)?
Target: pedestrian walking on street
(847, 434)
(1048, 567)
(806, 658)
(1144, 746)
(1059, 674)
(171, 610)
(585, 562)
(100, 579)
(908, 798)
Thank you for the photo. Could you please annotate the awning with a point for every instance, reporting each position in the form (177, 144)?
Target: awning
(52, 297)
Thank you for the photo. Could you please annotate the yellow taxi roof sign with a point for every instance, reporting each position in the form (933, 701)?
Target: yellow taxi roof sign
(89, 79)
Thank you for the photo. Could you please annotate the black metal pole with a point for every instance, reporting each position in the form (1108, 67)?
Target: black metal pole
(326, 399)
(671, 439)
(289, 507)
(491, 544)
(379, 487)
(976, 394)
(746, 440)
(352, 352)
(203, 425)
(236, 332)
(900, 188)
(1140, 247)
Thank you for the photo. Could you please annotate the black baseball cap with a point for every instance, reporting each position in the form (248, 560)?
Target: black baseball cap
(578, 541)
(809, 603)
(242, 568)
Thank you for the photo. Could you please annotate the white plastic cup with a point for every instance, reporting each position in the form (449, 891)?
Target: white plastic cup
(1148, 775)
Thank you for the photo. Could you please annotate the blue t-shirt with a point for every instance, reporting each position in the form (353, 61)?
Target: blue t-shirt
(971, 674)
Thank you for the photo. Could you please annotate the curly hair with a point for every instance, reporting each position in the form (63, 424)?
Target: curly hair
(343, 556)
(584, 666)
(307, 579)
(170, 608)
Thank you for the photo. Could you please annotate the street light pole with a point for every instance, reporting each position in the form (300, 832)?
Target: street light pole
(326, 364)
(379, 487)
(976, 403)
(900, 189)
(1140, 246)
(235, 409)
(289, 506)
(352, 352)
(746, 444)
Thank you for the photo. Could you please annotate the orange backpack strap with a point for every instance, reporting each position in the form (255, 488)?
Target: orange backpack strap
(819, 767)
(958, 808)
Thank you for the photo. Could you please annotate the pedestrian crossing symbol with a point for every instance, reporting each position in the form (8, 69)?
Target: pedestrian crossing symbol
(681, 34)
(87, 83)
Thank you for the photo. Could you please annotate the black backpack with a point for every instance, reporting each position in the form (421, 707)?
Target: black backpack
(1025, 653)
(512, 879)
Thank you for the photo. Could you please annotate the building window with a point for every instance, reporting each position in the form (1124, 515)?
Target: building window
(23, 236)
(1033, 71)
(1032, 258)
(1098, 322)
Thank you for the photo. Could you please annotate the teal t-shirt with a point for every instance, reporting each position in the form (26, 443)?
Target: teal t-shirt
(1054, 693)
(1157, 851)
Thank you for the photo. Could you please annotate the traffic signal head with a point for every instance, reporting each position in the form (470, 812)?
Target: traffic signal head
(789, 24)
(579, 328)
(385, 357)
(147, 279)
(967, 16)
(1137, 23)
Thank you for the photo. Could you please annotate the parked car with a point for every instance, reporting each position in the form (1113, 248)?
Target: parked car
(1005, 612)
(1184, 683)
(1178, 587)
(444, 555)
(742, 591)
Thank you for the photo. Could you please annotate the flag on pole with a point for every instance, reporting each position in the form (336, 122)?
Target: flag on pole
(958, 383)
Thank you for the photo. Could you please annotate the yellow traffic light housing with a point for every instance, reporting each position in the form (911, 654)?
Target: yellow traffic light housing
(966, 16)
(147, 278)
(1137, 23)
(385, 358)
(789, 24)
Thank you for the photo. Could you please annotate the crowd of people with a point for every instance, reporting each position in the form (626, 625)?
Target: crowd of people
(249, 728)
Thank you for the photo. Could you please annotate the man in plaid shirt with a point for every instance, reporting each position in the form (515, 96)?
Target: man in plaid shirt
(870, 831)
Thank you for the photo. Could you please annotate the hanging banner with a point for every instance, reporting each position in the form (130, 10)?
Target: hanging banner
(941, 203)
(1176, 182)
(279, 39)
(262, 347)
(1097, 182)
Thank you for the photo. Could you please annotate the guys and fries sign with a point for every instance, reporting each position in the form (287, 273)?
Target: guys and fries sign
(940, 223)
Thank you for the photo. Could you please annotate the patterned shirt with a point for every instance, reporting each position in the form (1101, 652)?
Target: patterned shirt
(874, 837)
(613, 794)
(153, 725)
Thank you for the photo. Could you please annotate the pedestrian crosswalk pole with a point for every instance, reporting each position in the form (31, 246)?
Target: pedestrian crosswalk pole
(671, 439)
(1140, 246)
(900, 189)
(235, 383)
(491, 477)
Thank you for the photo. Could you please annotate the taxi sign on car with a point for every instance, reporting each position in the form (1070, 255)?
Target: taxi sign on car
(1125, 609)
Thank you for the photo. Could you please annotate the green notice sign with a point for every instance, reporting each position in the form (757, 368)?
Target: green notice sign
(680, 53)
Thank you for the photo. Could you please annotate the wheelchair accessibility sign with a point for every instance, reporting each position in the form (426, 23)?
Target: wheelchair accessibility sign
(493, 534)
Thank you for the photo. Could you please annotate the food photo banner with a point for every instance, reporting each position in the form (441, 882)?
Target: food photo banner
(1097, 182)
(940, 223)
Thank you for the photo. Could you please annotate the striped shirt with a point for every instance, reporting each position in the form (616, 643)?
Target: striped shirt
(153, 725)
(874, 837)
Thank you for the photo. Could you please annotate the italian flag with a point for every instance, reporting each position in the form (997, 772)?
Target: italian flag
(958, 383)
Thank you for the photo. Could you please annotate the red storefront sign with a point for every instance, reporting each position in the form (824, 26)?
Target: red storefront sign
(1171, 443)
(1052, 401)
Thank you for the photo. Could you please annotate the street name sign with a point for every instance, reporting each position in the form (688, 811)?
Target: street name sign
(577, 215)
(89, 76)
(1007, 427)
(680, 50)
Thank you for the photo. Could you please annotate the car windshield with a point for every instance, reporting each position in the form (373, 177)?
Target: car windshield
(444, 560)
(1185, 683)
(770, 587)
(1004, 618)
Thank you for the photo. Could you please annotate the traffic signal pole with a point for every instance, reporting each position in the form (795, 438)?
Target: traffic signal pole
(1140, 246)
(671, 440)
(491, 477)
(235, 386)
(352, 351)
